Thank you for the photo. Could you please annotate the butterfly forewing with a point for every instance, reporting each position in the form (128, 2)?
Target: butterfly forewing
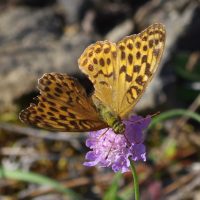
(63, 105)
(138, 59)
(121, 72)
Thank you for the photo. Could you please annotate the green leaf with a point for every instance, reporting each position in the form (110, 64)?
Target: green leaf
(127, 193)
(37, 179)
(111, 193)
(180, 68)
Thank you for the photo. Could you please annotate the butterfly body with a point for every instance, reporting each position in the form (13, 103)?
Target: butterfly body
(120, 73)
(109, 117)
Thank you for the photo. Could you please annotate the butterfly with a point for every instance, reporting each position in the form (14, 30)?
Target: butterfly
(120, 73)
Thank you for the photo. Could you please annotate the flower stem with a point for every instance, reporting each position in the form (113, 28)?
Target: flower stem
(135, 179)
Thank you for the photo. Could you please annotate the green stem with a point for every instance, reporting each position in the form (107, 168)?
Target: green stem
(135, 179)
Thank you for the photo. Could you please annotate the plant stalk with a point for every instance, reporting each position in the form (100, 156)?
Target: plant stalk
(135, 181)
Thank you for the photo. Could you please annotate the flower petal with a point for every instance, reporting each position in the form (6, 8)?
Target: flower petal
(113, 150)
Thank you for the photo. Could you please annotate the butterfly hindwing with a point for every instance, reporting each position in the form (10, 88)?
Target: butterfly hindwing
(98, 62)
(63, 105)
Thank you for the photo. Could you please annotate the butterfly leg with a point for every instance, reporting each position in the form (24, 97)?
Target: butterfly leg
(127, 139)
(110, 148)
(103, 133)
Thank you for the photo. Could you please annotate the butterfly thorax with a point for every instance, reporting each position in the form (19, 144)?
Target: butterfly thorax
(110, 117)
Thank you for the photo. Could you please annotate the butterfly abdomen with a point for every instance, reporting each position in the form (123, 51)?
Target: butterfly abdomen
(110, 117)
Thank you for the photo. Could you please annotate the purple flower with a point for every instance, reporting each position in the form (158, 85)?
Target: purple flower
(114, 150)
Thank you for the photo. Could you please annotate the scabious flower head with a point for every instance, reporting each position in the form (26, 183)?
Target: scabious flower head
(109, 149)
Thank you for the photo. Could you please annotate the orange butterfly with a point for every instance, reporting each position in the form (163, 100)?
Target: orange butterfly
(120, 73)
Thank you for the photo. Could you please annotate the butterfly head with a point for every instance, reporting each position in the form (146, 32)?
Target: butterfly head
(118, 127)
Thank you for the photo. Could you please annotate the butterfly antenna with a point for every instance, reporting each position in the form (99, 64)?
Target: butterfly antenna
(153, 115)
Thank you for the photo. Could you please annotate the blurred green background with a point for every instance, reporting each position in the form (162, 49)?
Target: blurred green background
(40, 36)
